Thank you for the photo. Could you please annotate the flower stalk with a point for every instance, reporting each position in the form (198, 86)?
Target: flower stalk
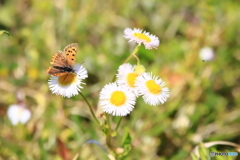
(133, 53)
(109, 128)
(90, 108)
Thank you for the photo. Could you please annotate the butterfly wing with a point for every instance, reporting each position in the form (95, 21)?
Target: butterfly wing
(55, 72)
(63, 61)
(71, 52)
(59, 59)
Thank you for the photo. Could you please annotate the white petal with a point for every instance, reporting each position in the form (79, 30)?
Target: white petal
(26, 114)
(149, 98)
(153, 43)
(12, 114)
(122, 75)
(206, 54)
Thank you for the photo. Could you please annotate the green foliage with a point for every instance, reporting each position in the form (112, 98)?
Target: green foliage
(194, 157)
(204, 153)
(126, 144)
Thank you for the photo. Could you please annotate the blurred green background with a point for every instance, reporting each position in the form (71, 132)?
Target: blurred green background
(204, 103)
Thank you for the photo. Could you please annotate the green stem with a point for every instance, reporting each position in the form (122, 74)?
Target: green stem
(133, 53)
(119, 122)
(91, 109)
(128, 58)
(114, 78)
(138, 61)
(109, 131)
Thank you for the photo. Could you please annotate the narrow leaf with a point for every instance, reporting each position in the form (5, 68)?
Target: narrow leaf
(6, 32)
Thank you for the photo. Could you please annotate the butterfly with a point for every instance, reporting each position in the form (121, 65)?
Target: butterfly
(63, 62)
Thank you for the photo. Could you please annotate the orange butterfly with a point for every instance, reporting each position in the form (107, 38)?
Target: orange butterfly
(63, 62)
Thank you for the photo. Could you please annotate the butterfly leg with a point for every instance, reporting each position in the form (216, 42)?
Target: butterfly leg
(65, 77)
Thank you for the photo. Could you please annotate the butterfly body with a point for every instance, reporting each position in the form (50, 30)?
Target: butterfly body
(63, 62)
(64, 69)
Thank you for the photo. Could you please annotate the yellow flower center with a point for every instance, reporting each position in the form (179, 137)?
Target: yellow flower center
(131, 79)
(118, 98)
(142, 37)
(67, 79)
(153, 87)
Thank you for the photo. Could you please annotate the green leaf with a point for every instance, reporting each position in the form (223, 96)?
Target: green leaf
(127, 138)
(194, 157)
(6, 32)
(126, 144)
(43, 153)
(104, 129)
(204, 153)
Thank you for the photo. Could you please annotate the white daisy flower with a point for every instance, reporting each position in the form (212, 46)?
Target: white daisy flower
(152, 89)
(127, 77)
(18, 114)
(117, 100)
(150, 41)
(206, 54)
(70, 84)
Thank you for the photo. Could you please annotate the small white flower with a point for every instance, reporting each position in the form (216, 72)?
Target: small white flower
(17, 113)
(117, 100)
(152, 89)
(70, 84)
(150, 41)
(206, 54)
(127, 77)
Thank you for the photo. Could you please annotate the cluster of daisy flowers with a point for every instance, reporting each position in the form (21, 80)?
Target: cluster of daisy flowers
(119, 98)
(68, 85)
